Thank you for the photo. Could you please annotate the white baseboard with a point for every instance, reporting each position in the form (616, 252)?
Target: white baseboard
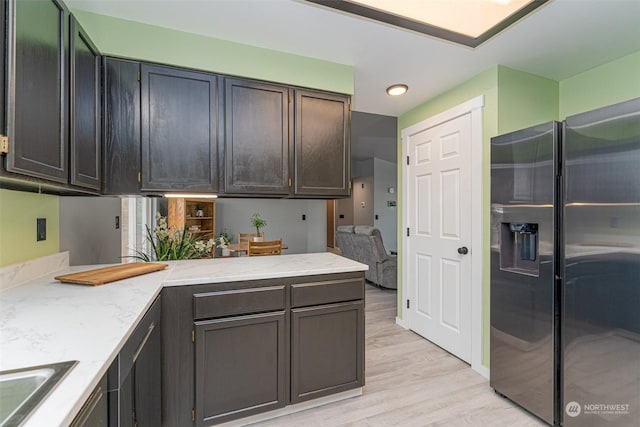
(482, 370)
(402, 323)
(291, 409)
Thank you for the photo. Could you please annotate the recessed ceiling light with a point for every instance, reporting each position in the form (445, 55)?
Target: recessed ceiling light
(397, 90)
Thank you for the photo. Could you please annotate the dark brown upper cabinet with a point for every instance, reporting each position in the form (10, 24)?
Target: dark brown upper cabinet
(84, 129)
(121, 127)
(179, 130)
(3, 52)
(257, 142)
(170, 129)
(37, 106)
(51, 100)
(322, 144)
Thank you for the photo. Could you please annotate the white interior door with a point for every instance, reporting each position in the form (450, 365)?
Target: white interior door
(439, 219)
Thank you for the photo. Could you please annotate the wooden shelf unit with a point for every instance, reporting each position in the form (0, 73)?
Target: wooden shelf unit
(182, 214)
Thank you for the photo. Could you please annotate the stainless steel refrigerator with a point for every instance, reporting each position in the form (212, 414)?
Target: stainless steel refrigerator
(565, 268)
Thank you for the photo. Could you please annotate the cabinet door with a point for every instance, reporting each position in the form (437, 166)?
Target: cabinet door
(147, 383)
(322, 144)
(38, 96)
(3, 53)
(240, 367)
(94, 413)
(257, 118)
(327, 350)
(139, 374)
(121, 127)
(125, 414)
(179, 130)
(84, 126)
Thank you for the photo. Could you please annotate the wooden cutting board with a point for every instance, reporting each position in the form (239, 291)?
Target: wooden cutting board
(100, 276)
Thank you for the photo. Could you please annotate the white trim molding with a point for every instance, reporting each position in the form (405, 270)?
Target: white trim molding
(292, 409)
(402, 323)
(475, 108)
(482, 370)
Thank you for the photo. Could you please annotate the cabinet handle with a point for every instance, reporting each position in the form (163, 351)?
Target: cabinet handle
(144, 341)
(87, 409)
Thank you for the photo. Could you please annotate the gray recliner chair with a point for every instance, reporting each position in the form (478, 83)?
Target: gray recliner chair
(363, 243)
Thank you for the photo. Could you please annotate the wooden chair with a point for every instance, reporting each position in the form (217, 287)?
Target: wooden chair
(246, 237)
(270, 247)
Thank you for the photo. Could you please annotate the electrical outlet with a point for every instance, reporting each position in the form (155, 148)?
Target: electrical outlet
(41, 229)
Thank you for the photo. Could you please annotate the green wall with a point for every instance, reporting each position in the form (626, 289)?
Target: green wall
(613, 82)
(485, 83)
(525, 100)
(18, 213)
(119, 37)
(512, 100)
(129, 39)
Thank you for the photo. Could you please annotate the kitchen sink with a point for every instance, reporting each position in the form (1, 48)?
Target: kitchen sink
(22, 390)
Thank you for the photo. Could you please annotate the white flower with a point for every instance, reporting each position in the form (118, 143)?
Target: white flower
(200, 246)
(221, 242)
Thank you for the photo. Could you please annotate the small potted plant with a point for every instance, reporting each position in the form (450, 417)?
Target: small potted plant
(258, 223)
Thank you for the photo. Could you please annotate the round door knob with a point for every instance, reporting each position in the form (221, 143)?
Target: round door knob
(463, 250)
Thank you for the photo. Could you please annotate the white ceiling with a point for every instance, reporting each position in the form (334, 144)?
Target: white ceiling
(559, 40)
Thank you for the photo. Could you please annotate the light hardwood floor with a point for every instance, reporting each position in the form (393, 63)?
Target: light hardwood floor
(411, 382)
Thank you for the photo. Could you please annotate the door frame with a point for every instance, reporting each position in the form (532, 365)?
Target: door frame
(474, 107)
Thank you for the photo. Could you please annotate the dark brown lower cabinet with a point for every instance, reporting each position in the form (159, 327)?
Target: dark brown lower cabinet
(327, 350)
(135, 377)
(94, 412)
(236, 349)
(146, 387)
(240, 366)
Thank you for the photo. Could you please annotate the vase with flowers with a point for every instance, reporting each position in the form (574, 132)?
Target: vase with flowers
(222, 242)
(164, 244)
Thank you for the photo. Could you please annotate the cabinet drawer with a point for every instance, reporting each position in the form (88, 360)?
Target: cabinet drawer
(314, 293)
(243, 301)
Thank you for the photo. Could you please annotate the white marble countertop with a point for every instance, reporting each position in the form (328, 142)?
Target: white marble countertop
(44, 321)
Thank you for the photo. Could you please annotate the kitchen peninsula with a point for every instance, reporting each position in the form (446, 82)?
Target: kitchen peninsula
(248, 336)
